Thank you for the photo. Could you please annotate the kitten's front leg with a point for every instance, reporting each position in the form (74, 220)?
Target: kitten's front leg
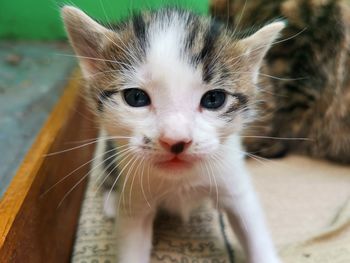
(134, 237)
(246, 218)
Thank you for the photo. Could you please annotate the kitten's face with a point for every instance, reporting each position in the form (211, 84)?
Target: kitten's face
(175, 84)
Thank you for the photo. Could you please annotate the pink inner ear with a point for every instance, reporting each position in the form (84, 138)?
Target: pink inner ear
(89, 66)
(258, 44)
(86, 48)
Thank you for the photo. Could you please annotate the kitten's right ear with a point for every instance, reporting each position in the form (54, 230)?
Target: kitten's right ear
(86, 36)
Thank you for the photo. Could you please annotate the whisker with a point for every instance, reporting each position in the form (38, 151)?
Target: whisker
(215, 184)
(277, 138)
(148, 181)
(120, 173)
(209, 177)
(133, 159)
(85, 144)
(92, 58)
(268, 137)
(72, 172)
(121, 156)
(87, 174)
(240, 18)
(132, 181)
(253, 156)
(99, 138)
(142, 188)
(270, 76)
(119, 160)
(274, 43)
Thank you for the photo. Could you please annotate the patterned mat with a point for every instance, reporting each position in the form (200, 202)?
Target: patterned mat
(203, 239)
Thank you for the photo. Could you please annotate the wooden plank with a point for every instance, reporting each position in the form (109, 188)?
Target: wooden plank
(33, 228)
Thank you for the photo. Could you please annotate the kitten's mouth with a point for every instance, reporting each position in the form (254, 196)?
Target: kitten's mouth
(174, 163)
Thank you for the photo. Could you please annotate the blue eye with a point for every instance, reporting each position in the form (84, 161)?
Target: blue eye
(213, 99)
(136, 97)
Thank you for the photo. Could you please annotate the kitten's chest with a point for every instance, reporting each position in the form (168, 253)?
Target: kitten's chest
(183, 200)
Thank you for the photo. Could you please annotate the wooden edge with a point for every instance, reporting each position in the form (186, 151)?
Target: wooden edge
(17, 191)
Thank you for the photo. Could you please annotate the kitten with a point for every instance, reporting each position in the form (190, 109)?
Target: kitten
(171, 89)
(310, 94)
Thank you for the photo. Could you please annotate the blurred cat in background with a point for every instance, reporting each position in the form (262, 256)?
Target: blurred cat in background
(305, 78)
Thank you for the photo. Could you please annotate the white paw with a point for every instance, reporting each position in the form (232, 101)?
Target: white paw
(109, 204)
(267, 260)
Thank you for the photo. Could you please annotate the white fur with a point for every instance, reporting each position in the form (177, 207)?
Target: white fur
(175, 89)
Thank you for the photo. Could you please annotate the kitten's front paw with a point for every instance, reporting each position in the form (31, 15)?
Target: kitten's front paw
(273, 259)
(109, 204)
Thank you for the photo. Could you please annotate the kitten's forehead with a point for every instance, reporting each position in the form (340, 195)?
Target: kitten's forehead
(179, 25)
(175, 42)
(166, 40)
(166, 57)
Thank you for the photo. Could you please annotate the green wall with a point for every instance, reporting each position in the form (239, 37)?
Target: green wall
(40, 19)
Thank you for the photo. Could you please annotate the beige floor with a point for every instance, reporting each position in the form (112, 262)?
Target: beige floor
(307, 205)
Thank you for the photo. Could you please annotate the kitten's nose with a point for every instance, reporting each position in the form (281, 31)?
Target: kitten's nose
(175, 147)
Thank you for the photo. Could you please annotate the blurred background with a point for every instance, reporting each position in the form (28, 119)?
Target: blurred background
(40, 19)
(36, 62)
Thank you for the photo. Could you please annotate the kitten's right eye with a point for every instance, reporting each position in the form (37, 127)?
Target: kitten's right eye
(136, 97)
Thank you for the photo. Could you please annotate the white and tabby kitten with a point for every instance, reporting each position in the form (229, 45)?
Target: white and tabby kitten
(173, 91)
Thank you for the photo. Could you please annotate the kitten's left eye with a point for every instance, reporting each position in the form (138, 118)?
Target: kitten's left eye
(136, 97)
(213, 99)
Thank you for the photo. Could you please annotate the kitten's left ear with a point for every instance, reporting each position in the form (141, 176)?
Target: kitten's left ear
(256, 45)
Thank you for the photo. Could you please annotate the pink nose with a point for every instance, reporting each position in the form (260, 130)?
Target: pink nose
(174, 146)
